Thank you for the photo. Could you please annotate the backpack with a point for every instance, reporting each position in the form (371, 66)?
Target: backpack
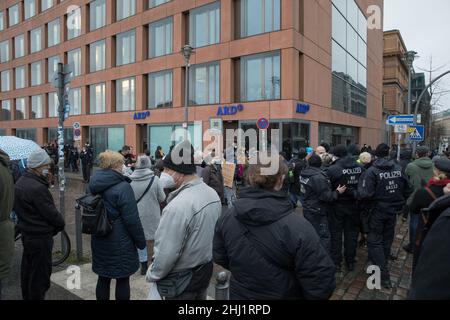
(94, 219)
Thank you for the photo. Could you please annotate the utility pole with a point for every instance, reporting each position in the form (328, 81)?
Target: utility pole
(187, 52)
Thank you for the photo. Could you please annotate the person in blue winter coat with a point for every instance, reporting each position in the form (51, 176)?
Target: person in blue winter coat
(115, 256)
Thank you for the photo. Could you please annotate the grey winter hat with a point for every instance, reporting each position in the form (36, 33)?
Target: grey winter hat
(143, 162)
(38, 158)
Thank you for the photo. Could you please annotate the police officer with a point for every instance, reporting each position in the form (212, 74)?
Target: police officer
(316, 194)
(387, 187)
(344, 218)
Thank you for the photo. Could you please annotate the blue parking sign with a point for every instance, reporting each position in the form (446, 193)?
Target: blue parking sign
(417, 133)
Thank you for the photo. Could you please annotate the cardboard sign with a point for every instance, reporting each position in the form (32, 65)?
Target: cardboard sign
(228, 170)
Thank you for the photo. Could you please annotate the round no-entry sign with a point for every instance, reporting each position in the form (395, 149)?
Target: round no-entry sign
(262, 124)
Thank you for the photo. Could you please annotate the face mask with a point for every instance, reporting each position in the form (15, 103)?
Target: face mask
(167, 181)
(45, 173)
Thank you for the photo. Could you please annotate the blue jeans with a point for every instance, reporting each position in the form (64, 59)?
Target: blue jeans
(143, 255)
(413, 224)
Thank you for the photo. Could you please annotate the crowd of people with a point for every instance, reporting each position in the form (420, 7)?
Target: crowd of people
(173, 220)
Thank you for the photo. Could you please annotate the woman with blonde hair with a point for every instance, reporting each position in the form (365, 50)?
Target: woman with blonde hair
(115, 256)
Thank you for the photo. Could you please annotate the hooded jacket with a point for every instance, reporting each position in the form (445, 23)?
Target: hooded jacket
(345, 172)
(315, 190)
(419, 172)
(385, 185)
(6, 206)
(115, 256)
(299, 267)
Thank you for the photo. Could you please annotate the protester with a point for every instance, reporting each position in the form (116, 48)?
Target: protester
(272, 252)
(6, 225)
(298, 163)
(150, 193)
(38, 221)
(385, 185)
(183, 240)
(365, 159)
(405, 158)
(320, 151)
(316, 197)
(159, 154)
(212, 176)
(418, 173)
(344, 217)
(114, 256)
(86, 164)
(74, 157)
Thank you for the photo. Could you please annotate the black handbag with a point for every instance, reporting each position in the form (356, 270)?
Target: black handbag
(174, 283)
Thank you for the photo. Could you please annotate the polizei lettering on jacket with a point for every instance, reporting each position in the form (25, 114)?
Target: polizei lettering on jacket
(357, 170)
(390, 175)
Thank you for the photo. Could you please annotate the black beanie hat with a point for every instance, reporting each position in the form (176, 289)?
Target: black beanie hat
(353, 150)
(183, 167)
(340, 151)
(382, 150)
(315, 161)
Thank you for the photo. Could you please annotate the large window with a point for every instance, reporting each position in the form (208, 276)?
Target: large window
(36, 73)
(336, 134)
(204, 25)
(36, 40)
(52, 67)
(97, 98)
(204, 84)
(6, 80)
(54, 33)
(97, 14)
(160, 89)
(106, 138)
(97, 56)
(19, 46)
(46, 4)
(73, 23)
(36, 107)
(4, 51)
(259, 16)
(125, 9)
(160, 38)
(154, 3)
(53, 105)
(126, 48)
(75, 101)
(29, 134)
(21, 113)
(13, 15)
(74, 60)
(349, 58)
(125, 94)
(260, 77)
(20, 77)
(169, 135)
(2, 20)
(30, 8)
(6, 110)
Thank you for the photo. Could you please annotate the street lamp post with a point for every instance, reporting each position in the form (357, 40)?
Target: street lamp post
(187, 52)
(409, 59)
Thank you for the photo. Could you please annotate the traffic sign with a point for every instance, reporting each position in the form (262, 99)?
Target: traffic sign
(76, 125)
(262, 124)
(401, 119)
(401, 128)
(417, 134)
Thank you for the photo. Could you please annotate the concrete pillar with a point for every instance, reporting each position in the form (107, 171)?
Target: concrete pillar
(141, 101)
(290, 79)
(226, 83)
(314, 132)
(178, 86)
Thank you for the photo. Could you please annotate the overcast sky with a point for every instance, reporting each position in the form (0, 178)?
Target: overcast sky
(425, 28)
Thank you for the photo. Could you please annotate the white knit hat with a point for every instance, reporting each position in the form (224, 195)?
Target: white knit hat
(38, 158)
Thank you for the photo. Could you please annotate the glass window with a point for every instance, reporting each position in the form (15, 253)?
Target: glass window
(352, 41)
(36, 107)
(154, 3)
(6, 110)
(36, 72)
(204, 84)
(341, 5)
(46, 4)
(167, 136)
(362, 26)
(36, 40)
(13, 15)
(74, 60)
(352, 69)
(4, 51)
(20, 109)
(339, 28)
(125, 94)
(53, 105)
(54, 33)
(204, 25)
(362, 75)
(6, 80)
(74, 23)
(75, 101)
(160, 90)
(104, 138)
(19, 46)
(97, 56)
(336, 134)
(126, 48)
(352, 13)
(260, 77)
(160, 38)
(2, 21)
(30, 8)
(29, 134)
(259, 16)
(97, 97)
(97, 14)
(52, 67)
(125, 9)
(339, 60)
(362, 52)
(295, 136)
(20, 77)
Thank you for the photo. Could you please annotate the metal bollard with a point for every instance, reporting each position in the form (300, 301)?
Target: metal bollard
(78, 234)
(222, 286)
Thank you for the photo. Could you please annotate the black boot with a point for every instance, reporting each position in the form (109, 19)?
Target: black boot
(144, 268)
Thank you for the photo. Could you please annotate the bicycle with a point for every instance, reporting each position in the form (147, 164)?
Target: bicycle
(61, 248)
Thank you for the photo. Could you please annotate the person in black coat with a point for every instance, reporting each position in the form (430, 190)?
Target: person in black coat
(86, 164)
(296, 165)
(39, 222)
(271, 251)
(115, 256)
